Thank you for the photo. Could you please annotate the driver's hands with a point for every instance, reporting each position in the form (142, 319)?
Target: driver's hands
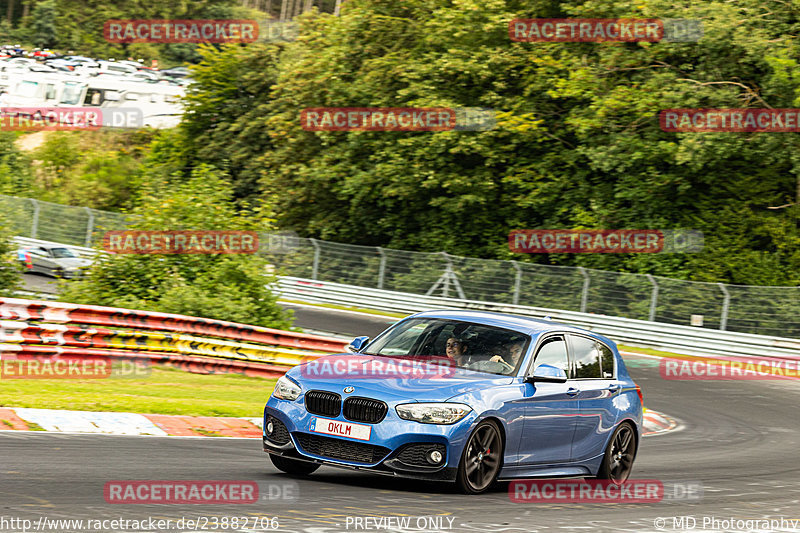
(499, 359)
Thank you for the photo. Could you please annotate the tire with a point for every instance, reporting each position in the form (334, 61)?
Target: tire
(293, 466)
(481, 459)
(619, 455)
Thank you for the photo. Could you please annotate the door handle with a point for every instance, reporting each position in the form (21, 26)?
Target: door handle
(572, 391)
(614, 387)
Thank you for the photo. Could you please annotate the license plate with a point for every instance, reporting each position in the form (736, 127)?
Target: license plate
(340, 429)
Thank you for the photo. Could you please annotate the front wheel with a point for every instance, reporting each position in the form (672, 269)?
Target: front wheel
(618, 459)
(480, 461)
(292, 466)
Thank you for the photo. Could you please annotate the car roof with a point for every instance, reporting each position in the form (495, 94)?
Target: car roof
(531, 326)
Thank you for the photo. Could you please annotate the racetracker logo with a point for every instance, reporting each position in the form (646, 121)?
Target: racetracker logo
(621, 241)
(727, 370)
(366, 367)
(62, 367)
(181, 242)
(181, 492)
(68, 118)
(585, 491)
(378, 119)
(21, 366)
(601, 30)
(585, 30)
(730, 120)
(180, 31)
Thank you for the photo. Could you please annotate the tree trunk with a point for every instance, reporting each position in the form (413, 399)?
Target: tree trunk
(10, 12)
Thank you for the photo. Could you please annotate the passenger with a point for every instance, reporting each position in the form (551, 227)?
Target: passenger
(514, 353)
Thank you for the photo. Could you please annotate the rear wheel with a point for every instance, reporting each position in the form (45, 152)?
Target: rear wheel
(480, 461)
(292, 466)
(618, 459)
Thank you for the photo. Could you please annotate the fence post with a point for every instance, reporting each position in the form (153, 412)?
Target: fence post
(726, 302)
(653, 298)
(89, 227)
(35, 224)
(315, 266)
(585, 293)
(517, 282)
(381, 268)
(446, 276)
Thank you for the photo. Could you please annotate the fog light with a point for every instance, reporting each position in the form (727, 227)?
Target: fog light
(270, 427)
(434, 457)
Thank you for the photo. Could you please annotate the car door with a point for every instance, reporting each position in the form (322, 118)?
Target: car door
(550, 409)
(593, 376)
(39, 260)
(47, 261)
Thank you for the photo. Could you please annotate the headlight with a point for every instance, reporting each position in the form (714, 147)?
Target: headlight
(286, 389)
(433, 413)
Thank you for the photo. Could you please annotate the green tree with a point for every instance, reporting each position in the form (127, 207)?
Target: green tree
(9, 267)
(578, 144)
(45, 31)
(16, 177)
(223, 286)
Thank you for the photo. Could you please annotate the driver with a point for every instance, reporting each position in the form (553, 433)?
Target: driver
(456, 350)
(514, 352)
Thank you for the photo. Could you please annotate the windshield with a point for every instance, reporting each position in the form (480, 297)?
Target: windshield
(468, 345)
(72, 93)
(62, 252)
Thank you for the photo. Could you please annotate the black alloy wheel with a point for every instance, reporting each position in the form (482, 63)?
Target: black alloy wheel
(481, 460)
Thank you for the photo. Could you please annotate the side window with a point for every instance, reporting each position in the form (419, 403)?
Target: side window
(553, 352)
(606, 361)
(586, 355)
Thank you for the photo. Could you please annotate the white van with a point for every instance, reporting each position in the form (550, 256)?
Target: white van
(160, 104)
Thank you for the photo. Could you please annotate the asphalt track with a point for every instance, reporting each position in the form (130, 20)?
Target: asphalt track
(739, 441)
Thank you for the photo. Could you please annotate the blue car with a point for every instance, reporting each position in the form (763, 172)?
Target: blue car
(461, 396)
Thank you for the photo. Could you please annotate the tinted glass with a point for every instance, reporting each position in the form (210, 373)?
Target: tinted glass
(606, 361)
(472, 346)
(587, 358)
(553, 352)
(62, 252)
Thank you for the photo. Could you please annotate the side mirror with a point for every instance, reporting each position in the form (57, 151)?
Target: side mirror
(356, 344)
(548, 374)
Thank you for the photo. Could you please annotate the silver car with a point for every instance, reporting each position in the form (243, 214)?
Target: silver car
(53, 260)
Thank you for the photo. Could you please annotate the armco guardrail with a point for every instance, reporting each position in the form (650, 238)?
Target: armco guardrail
(41, 328)
(656, 335)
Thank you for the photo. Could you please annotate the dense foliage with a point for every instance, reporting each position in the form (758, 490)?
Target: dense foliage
(77, 26)
(578, 143)
(227, 287)
(9, 267)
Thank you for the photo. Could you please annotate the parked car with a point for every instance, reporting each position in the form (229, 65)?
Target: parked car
(176, 72)
(43, 54)
(54, 260)
(525, 398)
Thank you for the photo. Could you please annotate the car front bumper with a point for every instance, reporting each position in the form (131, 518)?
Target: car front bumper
(396, 447)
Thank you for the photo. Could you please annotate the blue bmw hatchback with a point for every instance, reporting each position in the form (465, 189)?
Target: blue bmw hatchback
(515, 398)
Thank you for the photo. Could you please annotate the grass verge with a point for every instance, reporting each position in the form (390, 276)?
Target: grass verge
(164, 391)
